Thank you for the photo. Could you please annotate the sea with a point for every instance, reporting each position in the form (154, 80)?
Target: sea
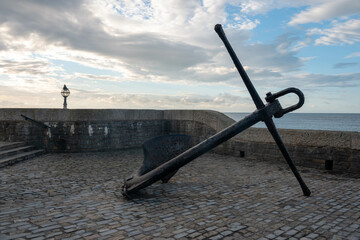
(310, 121)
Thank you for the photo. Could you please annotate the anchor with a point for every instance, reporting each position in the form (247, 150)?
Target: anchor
(164, 168)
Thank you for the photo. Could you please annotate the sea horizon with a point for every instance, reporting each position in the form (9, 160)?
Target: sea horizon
(310, 121)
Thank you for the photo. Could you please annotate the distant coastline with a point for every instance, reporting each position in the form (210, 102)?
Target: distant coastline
(310, 121)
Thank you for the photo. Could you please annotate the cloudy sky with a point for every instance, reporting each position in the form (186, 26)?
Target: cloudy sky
(165, 54)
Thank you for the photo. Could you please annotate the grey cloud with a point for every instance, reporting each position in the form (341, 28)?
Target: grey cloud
(193, 101)
(264, 74)
(73, 26)
(15, 97)
(263, 60)
(70, 24)
(83, 91)
(28, 67)
(307, 82)
(269, 56)
(325, 10)
(345, 64)
(321, 80)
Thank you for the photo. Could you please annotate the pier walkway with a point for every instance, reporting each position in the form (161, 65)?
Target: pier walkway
(78, 196)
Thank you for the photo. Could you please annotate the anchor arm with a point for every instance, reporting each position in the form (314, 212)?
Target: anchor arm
(276, 136)
(279, 142)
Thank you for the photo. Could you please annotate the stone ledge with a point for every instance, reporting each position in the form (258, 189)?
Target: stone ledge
(48, 114)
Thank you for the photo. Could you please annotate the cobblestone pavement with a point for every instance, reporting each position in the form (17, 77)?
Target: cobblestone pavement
(77, 196)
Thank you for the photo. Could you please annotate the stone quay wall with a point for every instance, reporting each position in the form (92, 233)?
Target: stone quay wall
(332, 150)
(76, 130)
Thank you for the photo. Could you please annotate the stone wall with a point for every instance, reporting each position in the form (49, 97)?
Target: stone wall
(332, 151)
(81, 129)
(106, 129)
(339, 151)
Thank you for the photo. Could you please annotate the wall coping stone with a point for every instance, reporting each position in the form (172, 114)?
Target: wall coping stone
(63, 115)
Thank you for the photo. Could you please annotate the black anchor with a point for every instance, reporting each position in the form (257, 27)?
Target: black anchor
(166, 165)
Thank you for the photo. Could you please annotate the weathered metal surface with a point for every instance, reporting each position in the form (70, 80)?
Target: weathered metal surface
(263, 113)
(160, 150)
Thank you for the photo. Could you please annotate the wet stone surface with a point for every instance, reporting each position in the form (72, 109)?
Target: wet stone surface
(78, 196)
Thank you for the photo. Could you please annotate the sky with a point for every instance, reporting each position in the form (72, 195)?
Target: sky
(165, 54)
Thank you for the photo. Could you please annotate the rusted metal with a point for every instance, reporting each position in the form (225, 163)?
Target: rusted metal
(262, 113)
(159, 150)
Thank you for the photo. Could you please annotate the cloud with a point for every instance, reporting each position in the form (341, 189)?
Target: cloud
(345, 64)
(156, 42)
(188, 101)
(13, 96)
(130, 37)
(77, 33)
(261, 6)
(309, 81)
(353, 55)
(79, 98)
(77, 28)
(340, 33)
(306, 81)
(325, 10)
(27, 67)
(243, 23)
(29, 97)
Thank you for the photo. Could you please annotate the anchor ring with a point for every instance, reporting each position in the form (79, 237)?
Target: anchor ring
(272, 97)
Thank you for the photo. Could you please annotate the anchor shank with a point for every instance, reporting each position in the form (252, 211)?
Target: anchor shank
(136, 183)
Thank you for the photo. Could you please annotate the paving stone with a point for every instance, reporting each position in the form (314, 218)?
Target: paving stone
(180, 235)
(46, 228)
(214, 197)
(291, 232)
(38, 238)
(278, 232)
(134, 233)
(53, 234)
(300, 227)
(312, 235)
(217, 237)
(270, 236)
(149, 228)
(108, 232)
(16, 236)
